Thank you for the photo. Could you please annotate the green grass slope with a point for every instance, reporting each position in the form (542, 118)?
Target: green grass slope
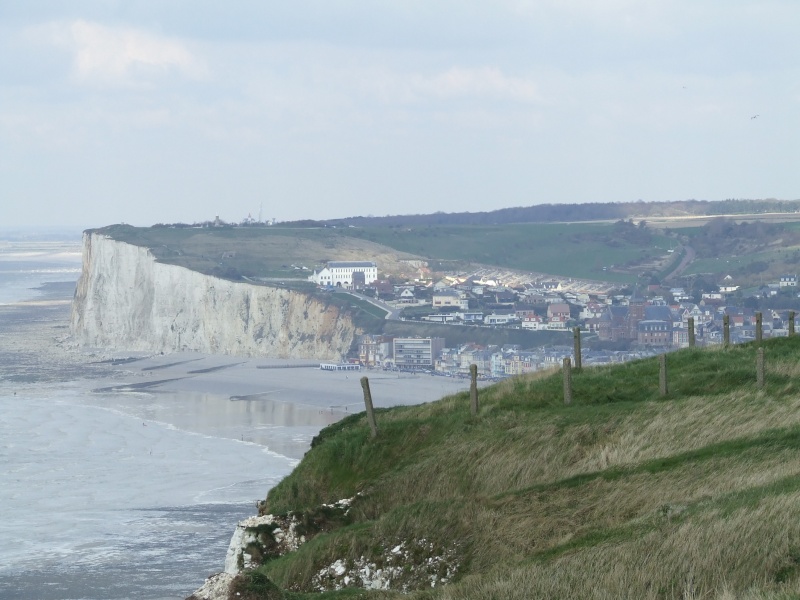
(622, 494)
(255, 252)
(617, 253)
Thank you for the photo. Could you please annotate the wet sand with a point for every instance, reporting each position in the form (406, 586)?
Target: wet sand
(228, 396)
(299, 382)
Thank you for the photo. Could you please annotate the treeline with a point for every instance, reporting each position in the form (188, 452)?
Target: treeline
(725, 237)
(551, 213)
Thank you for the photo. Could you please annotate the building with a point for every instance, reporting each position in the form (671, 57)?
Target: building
(450, 298)
(373, 350)
(655, 333)
(472, 317)
(558, 309)
(410, 353)
(613, 324)
(636, 309)
(339, 367)
(500, 318)
(344, 274)
(534, 322)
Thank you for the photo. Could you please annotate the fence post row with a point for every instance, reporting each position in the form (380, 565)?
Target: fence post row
(726, 327)
(368, 403)
(567, 367)
(758, 328)
(473, 389)
(662, 374)
(576, 338)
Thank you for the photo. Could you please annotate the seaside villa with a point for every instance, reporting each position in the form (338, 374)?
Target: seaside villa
(346, 274)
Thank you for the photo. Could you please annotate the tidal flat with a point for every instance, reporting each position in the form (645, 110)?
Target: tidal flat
(125, 473)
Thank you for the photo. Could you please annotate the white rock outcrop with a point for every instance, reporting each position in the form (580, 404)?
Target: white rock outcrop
(125, 299)
(216, 587)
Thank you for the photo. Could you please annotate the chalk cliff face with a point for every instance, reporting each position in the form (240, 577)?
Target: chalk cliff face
(126, 300)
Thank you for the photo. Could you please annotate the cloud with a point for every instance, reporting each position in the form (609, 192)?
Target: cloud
(119, 55)
(488, 82)
(475, 84)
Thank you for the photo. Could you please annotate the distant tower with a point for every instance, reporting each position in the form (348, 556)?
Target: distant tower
(260, 209)
(635, 312)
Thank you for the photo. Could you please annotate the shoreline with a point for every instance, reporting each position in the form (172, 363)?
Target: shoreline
(40, 329)
(267, 410)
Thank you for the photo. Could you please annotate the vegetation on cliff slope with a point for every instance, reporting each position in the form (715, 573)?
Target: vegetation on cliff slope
(621, 251)
(622, 494)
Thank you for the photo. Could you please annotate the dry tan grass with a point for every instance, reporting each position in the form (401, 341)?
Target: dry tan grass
(708, 557)
(516, 454)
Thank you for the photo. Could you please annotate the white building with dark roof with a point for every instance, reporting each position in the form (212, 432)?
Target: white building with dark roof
(346, 274)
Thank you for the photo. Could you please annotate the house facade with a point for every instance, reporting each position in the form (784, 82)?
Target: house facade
(655, 333)
(449, 298)
(344, 274)
(417, 352)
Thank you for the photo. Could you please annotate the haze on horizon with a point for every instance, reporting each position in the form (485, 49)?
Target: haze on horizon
(147, 111)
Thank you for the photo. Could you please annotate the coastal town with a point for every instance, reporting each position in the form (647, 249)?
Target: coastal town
(618, 323)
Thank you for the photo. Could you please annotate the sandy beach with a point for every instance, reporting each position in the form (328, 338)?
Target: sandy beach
(244, 398)
(40, 330)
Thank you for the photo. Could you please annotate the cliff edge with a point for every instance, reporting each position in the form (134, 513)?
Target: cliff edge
(126, 299)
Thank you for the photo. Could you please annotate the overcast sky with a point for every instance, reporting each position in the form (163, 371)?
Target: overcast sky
(147, 111)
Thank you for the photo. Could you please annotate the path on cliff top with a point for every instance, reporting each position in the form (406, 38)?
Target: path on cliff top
(688, 258)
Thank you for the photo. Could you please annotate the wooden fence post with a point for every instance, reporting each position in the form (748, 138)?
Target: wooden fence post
(690, 326)
(576, 339)
(758, 328)
(760, 368)
(791, 323)
(726, 328)
(368, 403)
(567, 368)
(473, 389)
(662, 374)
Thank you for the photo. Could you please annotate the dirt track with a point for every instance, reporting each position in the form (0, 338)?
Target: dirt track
(688, 258)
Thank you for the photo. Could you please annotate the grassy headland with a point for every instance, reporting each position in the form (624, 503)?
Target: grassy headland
(275, 253)
(622, 494)
(554, 248)
(617, 252)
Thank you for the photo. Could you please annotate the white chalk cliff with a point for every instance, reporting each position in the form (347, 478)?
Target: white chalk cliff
(125, 299)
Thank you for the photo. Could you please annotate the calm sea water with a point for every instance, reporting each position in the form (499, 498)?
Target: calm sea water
(109, 496)
(27, 261)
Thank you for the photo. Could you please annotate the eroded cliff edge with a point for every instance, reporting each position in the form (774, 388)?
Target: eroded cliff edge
(125, 299)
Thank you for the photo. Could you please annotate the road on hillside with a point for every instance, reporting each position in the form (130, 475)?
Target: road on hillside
(392, 314)
(688, 258)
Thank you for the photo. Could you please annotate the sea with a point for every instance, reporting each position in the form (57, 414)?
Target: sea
(107, 495)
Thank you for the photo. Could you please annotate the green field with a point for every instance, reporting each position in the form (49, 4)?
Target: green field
(276, 253)
(581, 250)
(584, 251)
(623, 494)
(614, 252)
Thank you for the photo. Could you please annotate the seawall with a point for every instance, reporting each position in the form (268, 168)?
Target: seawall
(126, 300)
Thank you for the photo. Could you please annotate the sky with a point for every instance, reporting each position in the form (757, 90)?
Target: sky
(163, 111)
